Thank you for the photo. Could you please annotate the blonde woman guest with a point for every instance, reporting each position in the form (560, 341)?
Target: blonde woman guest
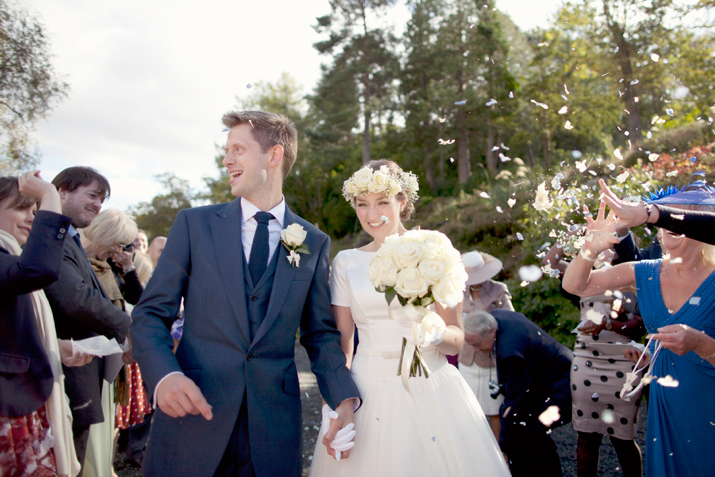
(436, 429)
(110, 237)
(678, 289)
(35, 419)
(478, 367)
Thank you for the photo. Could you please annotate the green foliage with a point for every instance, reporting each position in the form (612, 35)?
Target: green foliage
(29, 86)
(156, 217)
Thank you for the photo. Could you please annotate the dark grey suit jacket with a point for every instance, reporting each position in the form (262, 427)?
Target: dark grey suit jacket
(203, 264)
(82, 310)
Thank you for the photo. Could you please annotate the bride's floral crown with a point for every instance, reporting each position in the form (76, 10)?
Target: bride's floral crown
(382, 181)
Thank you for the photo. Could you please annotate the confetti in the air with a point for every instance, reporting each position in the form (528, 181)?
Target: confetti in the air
(652, 157)
(519, 236)
(655, 57)
(564, 110)
(491, 102)
(530, 273)
(443, 142)
(460, 103)
(249, 86)
(621, 178)
(668, 382)
(541, 105)
(581, 165)
(695, 301)
(499, 209)
(511, 202)
(550, 415)
(484, 195)
(617, 154)
(568, 125)
(681, 92)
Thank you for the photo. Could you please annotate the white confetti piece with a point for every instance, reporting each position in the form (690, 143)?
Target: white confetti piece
(670, 112)
(668, 382)
(607, 416)
(617, 154)
(653, 157)
(681, 92)
(549, 416)
(581, 165)
(655, 57)
(504, 158)
(564, 110)
(499, 209)
(612, 167)
(511, 202)
(491, 102)
(541, 105)
(621, 178)
(511, 94)
(695, 301)
(530, 273)
(576, 154)
(594, 316)
(568, 125)
(484, 195)
(519, 236)
(460, 103)
(443, 142)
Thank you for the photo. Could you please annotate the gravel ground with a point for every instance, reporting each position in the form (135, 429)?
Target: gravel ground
(565, 437)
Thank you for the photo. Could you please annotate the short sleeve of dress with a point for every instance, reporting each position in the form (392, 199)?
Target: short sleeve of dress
(339, 286)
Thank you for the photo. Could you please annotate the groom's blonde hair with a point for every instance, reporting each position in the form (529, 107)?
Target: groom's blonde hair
(269, 129)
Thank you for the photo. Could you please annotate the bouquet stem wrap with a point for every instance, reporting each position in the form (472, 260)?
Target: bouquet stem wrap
(412, 362)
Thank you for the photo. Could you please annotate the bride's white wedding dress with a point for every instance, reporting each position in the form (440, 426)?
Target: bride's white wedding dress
(438, 429)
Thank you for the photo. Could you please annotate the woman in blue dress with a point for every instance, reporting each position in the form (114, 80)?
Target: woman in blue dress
(676, 290)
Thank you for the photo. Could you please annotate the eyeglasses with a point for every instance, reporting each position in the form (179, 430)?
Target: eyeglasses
(628, 391)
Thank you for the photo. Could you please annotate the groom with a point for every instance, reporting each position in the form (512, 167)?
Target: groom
(229, 399)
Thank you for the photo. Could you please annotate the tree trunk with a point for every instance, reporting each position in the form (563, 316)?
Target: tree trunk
(623, 56)
(366, 131)
(464, 167)
(491, 156)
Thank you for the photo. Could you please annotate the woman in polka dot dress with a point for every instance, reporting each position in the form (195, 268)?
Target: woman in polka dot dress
(598, 374)
(597, 377)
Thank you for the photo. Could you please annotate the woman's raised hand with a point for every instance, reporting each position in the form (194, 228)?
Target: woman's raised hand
(32, 185)
(631, 214)
(601, 233)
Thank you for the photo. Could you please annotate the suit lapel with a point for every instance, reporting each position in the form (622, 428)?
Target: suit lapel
(281, 282)
(228, 247)
(85, 266)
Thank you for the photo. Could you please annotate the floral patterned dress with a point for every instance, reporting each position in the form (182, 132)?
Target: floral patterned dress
(26, 446)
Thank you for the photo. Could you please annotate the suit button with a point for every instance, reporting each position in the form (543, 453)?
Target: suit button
(63, 230)
(254, 298)
(60, 236)
(249, 357)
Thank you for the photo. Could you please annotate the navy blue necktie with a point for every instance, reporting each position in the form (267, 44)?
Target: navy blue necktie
(79, 244)
(258, 262)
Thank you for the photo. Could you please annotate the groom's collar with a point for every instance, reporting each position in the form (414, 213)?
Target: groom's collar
(248, 210)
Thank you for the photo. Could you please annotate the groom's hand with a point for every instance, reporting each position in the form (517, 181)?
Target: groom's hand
(346, 415)
(178, 396)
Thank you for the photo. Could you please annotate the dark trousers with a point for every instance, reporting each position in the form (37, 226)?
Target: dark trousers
(236, 460)
(528, 446)
(137, 437)
(80, 435)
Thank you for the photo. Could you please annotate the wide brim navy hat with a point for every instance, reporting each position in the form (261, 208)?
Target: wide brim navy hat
(696, 193)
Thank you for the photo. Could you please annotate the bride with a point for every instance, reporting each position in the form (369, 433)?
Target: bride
(438, 428)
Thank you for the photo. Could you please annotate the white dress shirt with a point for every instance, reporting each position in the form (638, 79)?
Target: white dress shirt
(248, 227)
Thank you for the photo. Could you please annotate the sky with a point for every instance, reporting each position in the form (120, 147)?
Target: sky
(150, 80)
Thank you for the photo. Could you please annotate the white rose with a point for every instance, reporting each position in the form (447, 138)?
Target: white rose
(410, 284)
(382, 271)
(379, 183)
(450, 289)
(542, 201)
(294, 235)
(432, 270)
(408, 254)
(362, 178)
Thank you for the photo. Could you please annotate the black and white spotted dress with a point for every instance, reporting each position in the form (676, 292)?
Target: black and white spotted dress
(597, 379)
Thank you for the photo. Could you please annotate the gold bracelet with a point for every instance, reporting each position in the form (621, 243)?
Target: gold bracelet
(707, 358)
(582, 255)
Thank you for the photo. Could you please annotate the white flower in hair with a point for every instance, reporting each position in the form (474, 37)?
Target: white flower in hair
(367, 181)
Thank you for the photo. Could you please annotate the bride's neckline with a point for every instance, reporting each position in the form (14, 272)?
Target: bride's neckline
(365, 251)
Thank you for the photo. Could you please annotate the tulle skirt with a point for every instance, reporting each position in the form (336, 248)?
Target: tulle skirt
(438, 428)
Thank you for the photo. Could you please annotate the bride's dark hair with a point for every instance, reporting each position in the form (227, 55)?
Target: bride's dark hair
(396, 171)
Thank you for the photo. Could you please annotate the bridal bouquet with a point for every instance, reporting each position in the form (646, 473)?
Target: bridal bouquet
(418, 269)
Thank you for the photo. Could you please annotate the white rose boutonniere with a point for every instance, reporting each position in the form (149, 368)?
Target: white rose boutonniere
(292, 238)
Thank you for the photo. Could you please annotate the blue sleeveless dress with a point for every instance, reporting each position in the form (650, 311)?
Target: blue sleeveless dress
(680, 436)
